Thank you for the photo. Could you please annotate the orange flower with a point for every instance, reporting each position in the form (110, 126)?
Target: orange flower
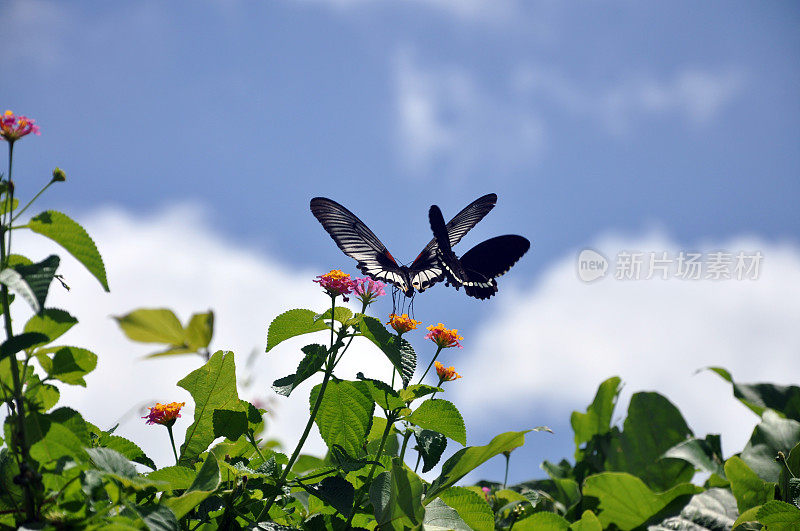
(402, 323)
(443, 337)
(164, 413)
(446, 374)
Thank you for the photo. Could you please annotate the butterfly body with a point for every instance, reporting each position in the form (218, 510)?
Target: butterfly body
(479, 267)
(373, 259)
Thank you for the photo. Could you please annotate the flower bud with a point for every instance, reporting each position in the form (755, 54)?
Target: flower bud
(59, 175)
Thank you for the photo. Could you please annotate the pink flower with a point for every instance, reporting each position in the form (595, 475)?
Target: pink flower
(486, 492)
(164, 413)
(443, 337)
(336, 283)
(13, 127)
(368, 290)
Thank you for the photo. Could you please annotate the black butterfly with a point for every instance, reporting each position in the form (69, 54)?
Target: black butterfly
(481, 265)
(374, 259)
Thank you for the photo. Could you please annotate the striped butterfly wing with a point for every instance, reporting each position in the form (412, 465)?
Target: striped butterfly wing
(426, 270)
(358, 242)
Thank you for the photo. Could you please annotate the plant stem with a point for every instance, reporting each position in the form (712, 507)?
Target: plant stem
(18, 214)
(389, 423)
(253, 441)
(505, 479)
(172, 440)
(406, 437)
(438, 350)
(328, 372)
(21, 441)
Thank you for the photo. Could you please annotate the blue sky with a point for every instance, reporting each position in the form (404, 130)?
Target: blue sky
(587, 119)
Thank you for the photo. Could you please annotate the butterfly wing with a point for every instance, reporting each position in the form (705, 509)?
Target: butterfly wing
(358, 242)
(488, 260)
(449, 263)
(425, 270)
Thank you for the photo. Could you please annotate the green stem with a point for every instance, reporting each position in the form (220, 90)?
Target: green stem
(328, 373)
(20, 437)
(505, 479)
(172, 440)
(253, 441)
(406, 437)
(18, 214)
(389, 423)
(438, 350)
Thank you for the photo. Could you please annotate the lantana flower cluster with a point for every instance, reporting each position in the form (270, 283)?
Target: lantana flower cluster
(164, 414)
(336, 283)
(368, 290)
(443, 337)
(402, 323)
(14, 127)
(446, 374)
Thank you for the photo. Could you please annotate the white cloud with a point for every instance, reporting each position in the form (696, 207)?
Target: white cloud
(448, 123)
(554, 342)
(174, 260)
(697, 95)
(451, 122)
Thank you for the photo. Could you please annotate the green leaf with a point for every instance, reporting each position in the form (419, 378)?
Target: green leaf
(345, 462)
(467, 459)
(441, 517)
(597, 419)
(213, 387)
(293, 323)
(653, 426)
(542, 521)
(712, 509)
(431, 445)
(774, 434)
(345, 414)
(442, 416)
(310, 364)
(51, 322)
(383, 395)
(341, 314)
(789, 484)
(50, 440)
(785, 399)
(229, 424)
(749, 489)
(40, 396)
(200, 330)
(177, 477)
(72, 237)
(704, 454)
(112, 462)
(20, 342)
(400, 353)
(471, 508)
(336, 492)
(626, 501)
(152, 325)
(204, 484)
(127, 448)
(588, 522)
(4, 205)
(68, 364)
(32, 282)
(415, 391)
(778, 515)
(396, 498)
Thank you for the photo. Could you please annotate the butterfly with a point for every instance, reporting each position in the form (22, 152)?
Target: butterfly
(478, 268)
(374, 260)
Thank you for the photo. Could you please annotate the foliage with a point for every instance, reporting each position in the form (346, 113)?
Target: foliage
(58, 470)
